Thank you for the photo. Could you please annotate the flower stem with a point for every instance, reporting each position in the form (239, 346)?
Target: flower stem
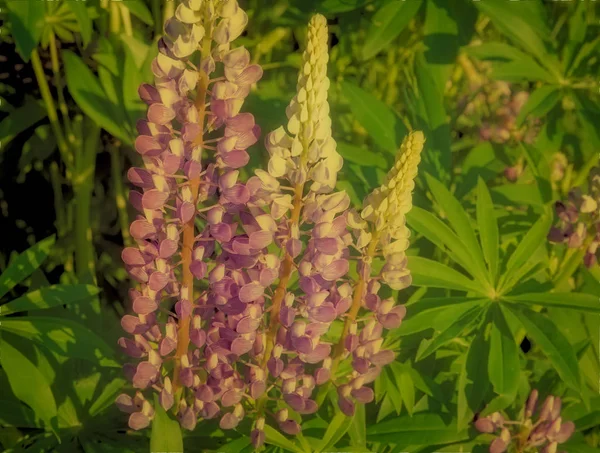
(189, 230)
(357, 299)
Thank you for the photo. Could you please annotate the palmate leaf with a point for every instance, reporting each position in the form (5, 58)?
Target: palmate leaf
(503, 362)
(27, 382)
(23, 265)
(442, 236)
(552, 342)
(488, 228)
(337, 427)
(63, 337)
(434, 313)
(462, 325)
(524, 252)
(461, 223)
(524, 23)
(382, 124)
(426, 272)
(575, 301)
(274, 437)
(473, 382)
(387, 23)
(423, 428)
(49, 297)
(509, 63)
(539, 103)
(358, 428)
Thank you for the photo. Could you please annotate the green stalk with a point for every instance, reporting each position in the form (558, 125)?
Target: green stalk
(62, 104)
(126, 16)
(59, 204)
(83, 186)
(51, 109)
(157, 14)
(116, 174)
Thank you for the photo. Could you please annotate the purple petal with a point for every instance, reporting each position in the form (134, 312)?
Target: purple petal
(144, 305)
(138, 421)
(229, 421)
(335, 270)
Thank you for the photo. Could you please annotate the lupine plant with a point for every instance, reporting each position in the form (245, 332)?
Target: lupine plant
(247, 337)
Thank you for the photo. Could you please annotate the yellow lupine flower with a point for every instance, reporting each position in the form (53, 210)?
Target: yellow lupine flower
(386, 208)
(309, 151)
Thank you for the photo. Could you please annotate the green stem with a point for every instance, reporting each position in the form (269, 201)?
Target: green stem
(59, 205)
(157, 14)
(50, 108)
(83, 186)
(62, 104)
(117, 175)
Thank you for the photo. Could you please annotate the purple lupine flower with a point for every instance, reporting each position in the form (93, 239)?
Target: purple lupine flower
(579, 220)
(547, 430)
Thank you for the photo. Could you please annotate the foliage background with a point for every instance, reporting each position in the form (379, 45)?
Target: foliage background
(507, 95)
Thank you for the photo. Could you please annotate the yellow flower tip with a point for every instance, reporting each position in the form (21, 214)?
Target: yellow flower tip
(386, 207)
(317, 21)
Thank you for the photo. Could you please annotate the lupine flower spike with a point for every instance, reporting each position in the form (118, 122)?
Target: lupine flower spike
(244, 337)
(579, 220)
(543, 433)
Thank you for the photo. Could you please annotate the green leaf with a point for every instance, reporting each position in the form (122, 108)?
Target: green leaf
(552, 342)
(441, 37)
(166, 432)
(473, 382)
(381, 123)
(387, 23)
(460, 222)
(509, 63)
(63, 337)
(462, 325)
(20, 119)
(488, 228)
(524, 23)
(407, 390)
(503, 363)
(442, 236)
(28, 383)
(274, 437)
(540, 102)
(573, 301)
(337, 427)
(358, 427)
(23, 265)
(524, 252)
(422, 428)
(49, 297)
(139, 10)
(83, 19)
(361, 156)
(91, 98)
(27, 24)
(431, 117)
(331, 6)
(426, 272)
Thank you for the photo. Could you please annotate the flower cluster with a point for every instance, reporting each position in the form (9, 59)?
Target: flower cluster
(579, 220)
(547, 430)
(239, 282)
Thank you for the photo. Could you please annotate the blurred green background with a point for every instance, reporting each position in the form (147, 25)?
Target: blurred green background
(504, 91)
